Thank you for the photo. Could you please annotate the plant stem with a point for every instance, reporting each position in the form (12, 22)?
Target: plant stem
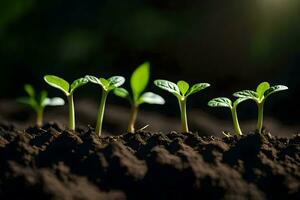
(132, 119)
(71, 112)
(260, 119)
(101, 113)
(184, 124)
(39, 117)
(236, 124)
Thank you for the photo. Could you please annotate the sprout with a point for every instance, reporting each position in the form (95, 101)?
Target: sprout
(263, 90)
(107, 85)
(38, 102)
(225, 102)
(68, 90)
(139, 81)
(181, 91)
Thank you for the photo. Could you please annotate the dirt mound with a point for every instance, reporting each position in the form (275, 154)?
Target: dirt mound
(51, 163)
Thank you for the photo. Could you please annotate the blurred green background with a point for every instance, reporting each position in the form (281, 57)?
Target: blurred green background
(231, 44)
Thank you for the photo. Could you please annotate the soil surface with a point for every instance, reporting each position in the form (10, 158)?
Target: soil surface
(51, 163)
(116, 118)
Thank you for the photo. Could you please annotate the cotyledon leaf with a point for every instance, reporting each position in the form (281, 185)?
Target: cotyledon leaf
(56, 101)
(28, 101)
(29, 89)
(115, 81)
(139, 80)
(78, 83)
(121, 92)
(220, 102)
(151, 98)
(41, 97)
(240, 100)
(58, 83)
(183, 87)
(246, 93)
(93, 79)
(107, 84)
(168, 86)
(197, 88)
(104, 83)
(261, 89)
(274, 89)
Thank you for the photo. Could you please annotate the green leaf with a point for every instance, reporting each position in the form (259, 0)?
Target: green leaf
(274, 89)
(29, 89)
(58, 83)
(168, 86)
(261, 89)
(93, 79)
(56, 101)
(151, 98)
(78, 83)
(246, 93)
(183, 87)
(220, 102)
(104, 83)
(28, 101)
(139, 80)
(240, 100)
(115, 81)
(41, 97)
(99, 81)
(197, 88)
(121, 92)
(107, 84)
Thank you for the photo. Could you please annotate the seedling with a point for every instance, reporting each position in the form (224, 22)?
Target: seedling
(38, 102)
(225, 102)
(138, 81)
(181, 90)
(107, 86)
(68, 90)
(263, 90)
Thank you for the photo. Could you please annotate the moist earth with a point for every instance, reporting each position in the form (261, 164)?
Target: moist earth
(52, 163)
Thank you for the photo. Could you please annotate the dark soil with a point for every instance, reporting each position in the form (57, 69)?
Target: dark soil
(50, 163)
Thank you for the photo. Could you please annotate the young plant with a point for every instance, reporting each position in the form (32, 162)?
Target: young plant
(138, 82)
(181, 90)
(68, 90)
(227, 103)
(263, 91)
(38, 102)
(107, 86)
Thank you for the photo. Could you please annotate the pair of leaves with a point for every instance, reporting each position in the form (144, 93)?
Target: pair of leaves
(181, 89)
(147, 97)
(226, 102)
(63, 85)
(107, 84)
(263, 90)
(39, 101)
(138, 82)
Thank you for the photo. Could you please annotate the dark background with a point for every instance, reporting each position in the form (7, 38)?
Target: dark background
(232, 44)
